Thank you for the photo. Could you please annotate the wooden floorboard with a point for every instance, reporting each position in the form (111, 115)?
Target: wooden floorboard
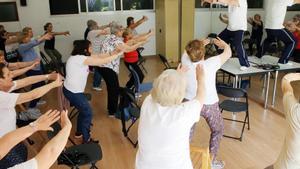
(259, 148)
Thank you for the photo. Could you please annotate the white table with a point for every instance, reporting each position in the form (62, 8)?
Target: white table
(291, 66)
(232, 67)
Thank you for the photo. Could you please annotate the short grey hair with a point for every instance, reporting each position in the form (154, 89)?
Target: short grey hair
(115, 28)
(91, 23)
(169, 88)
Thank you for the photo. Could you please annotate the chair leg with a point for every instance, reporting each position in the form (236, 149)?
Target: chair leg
(248, 120)
(93, 166)
(245, 121)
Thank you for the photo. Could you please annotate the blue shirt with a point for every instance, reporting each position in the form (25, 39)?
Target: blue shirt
(28, 53)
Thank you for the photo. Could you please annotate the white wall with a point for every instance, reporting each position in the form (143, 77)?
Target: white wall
(207, 22)
(37, 13)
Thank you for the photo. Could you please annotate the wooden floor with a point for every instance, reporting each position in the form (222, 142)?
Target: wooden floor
(259, 148)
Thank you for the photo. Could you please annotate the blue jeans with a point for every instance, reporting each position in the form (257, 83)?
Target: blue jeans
(236, 38)
(84, 120)
(97, 78)
(33, 103)
(286, 37)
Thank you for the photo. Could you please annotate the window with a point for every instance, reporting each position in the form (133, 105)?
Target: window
(137, 4)
(295, 7)
(8, 12)
(100, 5)
(83, 5)
(255, 3)
(63, 7)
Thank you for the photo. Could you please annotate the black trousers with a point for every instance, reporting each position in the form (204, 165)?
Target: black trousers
(16, 156)
(283, 35)
(237, 38)
(255, 39)
(112, 84)
(296, 55)
(138, 70)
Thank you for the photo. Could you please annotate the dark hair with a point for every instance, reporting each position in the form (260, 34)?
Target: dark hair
(129, 20)
(81, 48)
(2, 66)
(47, 25)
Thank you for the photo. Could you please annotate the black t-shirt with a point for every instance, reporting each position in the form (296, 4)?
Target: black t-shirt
(87, 30)
(50, 44)
(257, 30)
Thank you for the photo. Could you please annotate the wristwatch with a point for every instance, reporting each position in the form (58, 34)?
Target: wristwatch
(33, 126)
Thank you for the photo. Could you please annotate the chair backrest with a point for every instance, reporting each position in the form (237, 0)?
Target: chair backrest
(44, 58)
(232, 92)
(136, 79)
(165, 61)
(196, 153)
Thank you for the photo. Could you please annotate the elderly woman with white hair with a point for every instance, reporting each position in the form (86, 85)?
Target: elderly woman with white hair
(110, 70)
(166, 121)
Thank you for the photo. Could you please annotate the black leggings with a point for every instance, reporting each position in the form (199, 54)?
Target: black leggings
(138, 70)
(16, 156)
(112, 84)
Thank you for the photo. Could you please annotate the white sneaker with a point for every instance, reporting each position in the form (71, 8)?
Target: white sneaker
(97, 88)
(217, 164)
(41, 102)
(243, 68)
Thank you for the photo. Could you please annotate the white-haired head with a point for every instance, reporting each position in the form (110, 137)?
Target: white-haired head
(169, 88)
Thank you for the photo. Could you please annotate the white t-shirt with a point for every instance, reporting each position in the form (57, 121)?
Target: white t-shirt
(163, 135)
(289, 157)
(8, 116)
(77, 74)
(237, 16)
(275, 13)
(211, 66)
(95, 39)
(32, 164)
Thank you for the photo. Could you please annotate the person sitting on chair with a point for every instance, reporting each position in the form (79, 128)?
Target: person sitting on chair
(275, 15)
(237, 25)
(49, 45)
(294, 27)
(9, 100)
(77, 69)
(50, 152)
(165, 122)
(195, 54)
(289, 157)
(131, 58)
(256, 34)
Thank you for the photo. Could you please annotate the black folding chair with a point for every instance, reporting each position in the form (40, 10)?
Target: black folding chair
(232, 105)
(165, 62)
(129, 111)
(47, 65)
(77, 155)
(141, 60)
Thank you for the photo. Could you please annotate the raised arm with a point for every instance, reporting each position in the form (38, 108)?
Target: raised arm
(21, 71)
(139, 22)
(257, 22)
(33, 43)
(39, 92)
(250, 20)
(100, 59)
(34, 79)
(20, 65)
(50, 152)
(200, 95)
(128, 47)
(60, 33)
(227, 53)
(142, 37)
(43, 123)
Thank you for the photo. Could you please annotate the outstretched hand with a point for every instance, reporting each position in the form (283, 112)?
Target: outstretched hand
(64, 119)
(44, 122)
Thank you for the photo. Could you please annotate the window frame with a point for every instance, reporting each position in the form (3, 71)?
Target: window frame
(222, 9)
(104, 12)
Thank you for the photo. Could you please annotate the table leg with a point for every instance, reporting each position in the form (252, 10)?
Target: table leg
(267, 90)
(274, 88)
(236, 80)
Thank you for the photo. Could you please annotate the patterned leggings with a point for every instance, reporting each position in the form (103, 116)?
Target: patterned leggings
(212, 115)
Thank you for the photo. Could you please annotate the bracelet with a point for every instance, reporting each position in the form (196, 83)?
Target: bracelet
(33, 126)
